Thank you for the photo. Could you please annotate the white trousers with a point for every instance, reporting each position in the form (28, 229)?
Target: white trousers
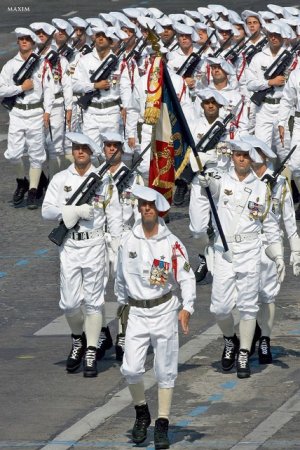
(57, 120)
(146, 139)
(269, 286)
(82, 271)
(199, 209)
(236, 284)
(294, 161)
(162, 333)
(76, 125)
(26, 132)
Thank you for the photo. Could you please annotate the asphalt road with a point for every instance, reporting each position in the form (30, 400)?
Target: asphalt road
(44, 407)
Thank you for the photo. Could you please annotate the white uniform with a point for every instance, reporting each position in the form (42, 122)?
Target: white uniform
(103, 114)
(291, 99)
(149, 269)
(266, 115)
(243, 212)
(26, 126)
(82, 261)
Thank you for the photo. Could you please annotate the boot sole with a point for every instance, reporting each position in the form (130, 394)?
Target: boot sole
(243, 375)
(73, 369)
(90, 374)
(226, 369)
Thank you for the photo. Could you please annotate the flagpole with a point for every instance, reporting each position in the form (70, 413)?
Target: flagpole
(190, 141)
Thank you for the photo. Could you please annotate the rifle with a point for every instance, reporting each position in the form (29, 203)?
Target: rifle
(233, 53)
(277, 68)
(63, 50)
(253, 49)
(86, 48)
(87, 189)
(189, 66)
(272, 179)
(210, 139)
(102, 73)
(123, 180)
(24, 73)
(221, 48)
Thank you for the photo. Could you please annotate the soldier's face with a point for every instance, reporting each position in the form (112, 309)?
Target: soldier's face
(218, 74)
(25, 43)
(167, 34)
(60, 37)
(210, 107)
(203, 36)
(82, 155)
(253, 24)
(102, 42)
(42, 36)
(149, 213)
(185, 41)
(275, 40)
(110, 148)
(242, 162)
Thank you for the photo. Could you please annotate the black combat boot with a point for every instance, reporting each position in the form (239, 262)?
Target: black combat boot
(264, 351)
(42, 186)
(22, 188)
(90, 362)
(257, 335)
(32, 201)
(120, 346)
(230, 351)
(76, 353)
(105, 342)
(161, 439)
(181, 190)
(243, 368)
(142, 422)
(201, 271)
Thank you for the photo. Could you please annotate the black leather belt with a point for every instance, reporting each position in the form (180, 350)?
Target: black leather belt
(26, 107)
(105, 105)
(58, 95)
(150, 303)
(297, 114)
(271, 101)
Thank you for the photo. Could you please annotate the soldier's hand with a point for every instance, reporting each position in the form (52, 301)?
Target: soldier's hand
(184, 318)
(102, 85)
(27, 85)
(281, 134)
(277, 81)
(123, 115)
(131, 142)
(46, 118)
(68, 118)
(190, 82)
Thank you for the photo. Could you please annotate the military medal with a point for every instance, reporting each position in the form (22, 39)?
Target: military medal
(159, 272)
(256, 210)
(67, 188)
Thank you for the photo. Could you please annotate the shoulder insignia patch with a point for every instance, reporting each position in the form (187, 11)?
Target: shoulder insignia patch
(187, 266)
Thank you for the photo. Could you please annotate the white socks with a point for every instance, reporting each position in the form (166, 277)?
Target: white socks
(266, 318)
(19, 169)
(227, 326)
(34, 177)
(76, 322)
(247, 329)
(137, 392)
(164, 402)
(92, 326)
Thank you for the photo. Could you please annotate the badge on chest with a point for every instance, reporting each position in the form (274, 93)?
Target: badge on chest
(159, 272)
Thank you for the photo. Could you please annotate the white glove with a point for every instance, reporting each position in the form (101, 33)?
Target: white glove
(72, 213)
(202, 241)
(204, 181)
(274, 252)
(85, 212)
(115, 242)
(295, 254)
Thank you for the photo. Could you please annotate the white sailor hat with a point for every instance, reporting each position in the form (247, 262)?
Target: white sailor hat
(78, 22)
(155, 13)
(291, 10)
(219, 9)
(209, 30)
(120, 34)
(238, 145)
(275, 28)
(182, 18)
(287, 30)
(195, 15)
(181, 28)
(80, 138)
(248, 13)
(132, 13)
(267, 15)
(118, 15)
(144, 11)
(223, 25)
(22, 32)
(107, 31)
(276, 9)
(96, 22)
(206, 12)
(234, 17)
(225, 65)
(108, 19)
(165, 21)
(207, 93)
(44, 26)
(125, 22)
(258, 144)
(62, 24)
(292, 21)
(111, 136)
(146, 22)
(149, 194)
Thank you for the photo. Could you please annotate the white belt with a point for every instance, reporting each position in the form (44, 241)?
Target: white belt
(242, 237)
(83, 235)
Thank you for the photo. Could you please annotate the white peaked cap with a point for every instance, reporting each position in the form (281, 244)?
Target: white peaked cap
(279, 28)
(194, 15)
(146, 22)
(181, 28)
(108, 18)
(63, 25)
(21, 32)
(241, 146)
(267, 15)
(118, 15)
(206, 12)
(78, 22)
(225, 65)
(249, 13)
(165, 21)
(96, 22)
(207, 93)
(46, 27)
(276, 9)
(218, 9)
(155, 13)
(120, 34)
(149, 194)
(291, 10)
(80, 138)
(258, 143)
(132, 13)
(111, 136)
(223, 25)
